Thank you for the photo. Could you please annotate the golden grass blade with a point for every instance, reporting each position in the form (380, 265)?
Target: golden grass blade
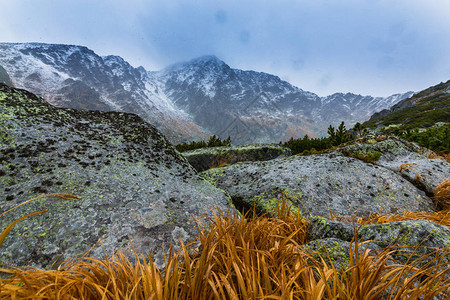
(442, 195)
(257, 257)
(6, 231)
(64, 196)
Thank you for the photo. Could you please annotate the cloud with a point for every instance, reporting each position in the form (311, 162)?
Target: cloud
(372, 47)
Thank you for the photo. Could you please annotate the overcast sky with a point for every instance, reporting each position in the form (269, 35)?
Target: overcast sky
(374, 47)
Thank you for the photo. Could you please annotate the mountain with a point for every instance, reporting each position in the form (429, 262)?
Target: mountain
(247, 105)
(75, 77)
(422, 110)
(354, 108)
(424, 119)
(186, 101)
(259, 107)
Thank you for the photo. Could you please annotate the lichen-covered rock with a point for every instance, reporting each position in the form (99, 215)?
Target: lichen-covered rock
(337, 252)
(134, 186)
(414, 239)
(323, 228)
(207, 158)
(411, 240)
(318, 185)
(407, 158)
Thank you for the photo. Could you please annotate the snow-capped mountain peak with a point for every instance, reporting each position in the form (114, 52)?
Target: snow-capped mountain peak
(186, 100)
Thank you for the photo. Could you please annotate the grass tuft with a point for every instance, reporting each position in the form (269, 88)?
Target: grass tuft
(440, 217)
(442, 195)
(250, 257)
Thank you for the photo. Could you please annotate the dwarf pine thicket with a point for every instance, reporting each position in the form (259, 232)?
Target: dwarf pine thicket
(214, 141)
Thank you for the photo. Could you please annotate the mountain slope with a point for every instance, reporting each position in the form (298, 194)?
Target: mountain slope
(75, 77)
(423, 119)
(424, 109)
(186, 101)
(258, 107)
(247, 105)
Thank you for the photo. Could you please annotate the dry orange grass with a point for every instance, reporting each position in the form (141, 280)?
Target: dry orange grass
(404, 167)
(440, 217)
(256, 257)
(447, 157)
(442, 195)
(442, 156)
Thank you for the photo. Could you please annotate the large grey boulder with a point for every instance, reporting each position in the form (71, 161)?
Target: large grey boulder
(319, 185)
(133, 186)
(207, 158)
(408, 159)
(414, 239)
(410, 240)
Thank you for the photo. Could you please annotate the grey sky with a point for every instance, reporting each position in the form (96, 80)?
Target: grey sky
(376, 47)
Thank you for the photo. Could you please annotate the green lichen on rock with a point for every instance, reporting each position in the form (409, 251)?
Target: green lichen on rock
(132, 183)
(408, 240)
(414, 239)
(389, 147)
(321, 228)
(267, 202)
(207, 158)
(336, 252)
(212, 175)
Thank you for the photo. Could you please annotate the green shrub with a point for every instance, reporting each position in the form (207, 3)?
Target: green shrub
(308, 146)
(436, 138)
(213, 141)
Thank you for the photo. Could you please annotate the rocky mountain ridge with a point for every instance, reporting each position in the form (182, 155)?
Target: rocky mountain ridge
(75, 77)
(433, 98)
(185, 101)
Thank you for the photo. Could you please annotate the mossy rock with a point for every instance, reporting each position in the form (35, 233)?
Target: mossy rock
(419, 165)
(409, 241)
(134, 186)
(336, 252)
(319, 184)
(412, 240)
(208, 158)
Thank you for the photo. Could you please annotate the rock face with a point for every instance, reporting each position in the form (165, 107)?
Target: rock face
(411, 239)
(320, 184)
(4, 77)
(133, 185)
(403, 157)
(207, 158)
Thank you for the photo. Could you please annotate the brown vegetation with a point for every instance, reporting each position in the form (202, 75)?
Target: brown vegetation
(252, 257)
